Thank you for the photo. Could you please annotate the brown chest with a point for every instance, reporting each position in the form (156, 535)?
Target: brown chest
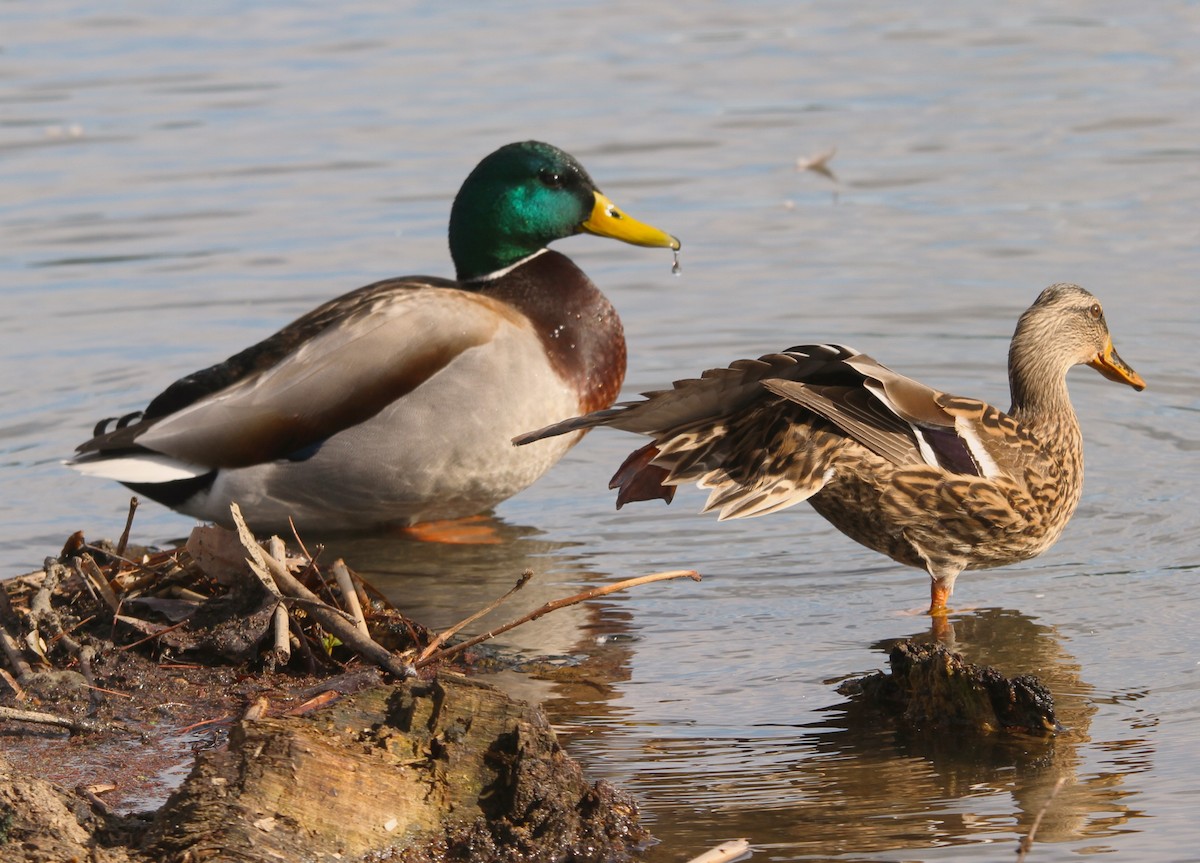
(577, 326)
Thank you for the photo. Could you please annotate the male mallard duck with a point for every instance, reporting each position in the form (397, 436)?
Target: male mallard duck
(395, 403)
(932, 480)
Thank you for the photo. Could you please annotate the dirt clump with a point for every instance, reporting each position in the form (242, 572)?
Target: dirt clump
(289, 696)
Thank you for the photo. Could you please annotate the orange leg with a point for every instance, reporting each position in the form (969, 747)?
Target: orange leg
(938, 594)
(472, 530)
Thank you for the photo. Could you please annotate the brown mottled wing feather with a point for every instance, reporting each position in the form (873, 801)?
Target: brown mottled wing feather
(728, 432)
(770, 458)
(384, 346)
(910, 400)
(717, 392)
(763, 452)
(1009, 445)
(858, 413)
(765, 434)
(908, 422)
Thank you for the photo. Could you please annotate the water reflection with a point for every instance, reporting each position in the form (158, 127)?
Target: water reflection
(852, 784)
(439, 584)
(1027, 769)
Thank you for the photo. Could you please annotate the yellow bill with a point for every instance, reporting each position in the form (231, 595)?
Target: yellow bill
(607, 221)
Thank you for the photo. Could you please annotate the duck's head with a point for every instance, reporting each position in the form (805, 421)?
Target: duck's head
(1065, 327)
(522, 197)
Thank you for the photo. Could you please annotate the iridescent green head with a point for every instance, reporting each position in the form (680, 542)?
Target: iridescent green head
(526, 195)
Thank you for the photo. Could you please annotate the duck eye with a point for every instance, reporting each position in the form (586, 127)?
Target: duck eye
(551, 178)
(1095, 312)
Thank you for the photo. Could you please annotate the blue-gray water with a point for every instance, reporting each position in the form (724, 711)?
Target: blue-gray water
(180, 180)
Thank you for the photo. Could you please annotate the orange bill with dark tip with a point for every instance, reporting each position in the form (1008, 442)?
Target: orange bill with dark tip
(1110, 364)
(608, 221)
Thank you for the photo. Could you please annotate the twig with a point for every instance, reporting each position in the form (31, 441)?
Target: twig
(1027, 842)
(89, 795)
(220, 720)
(116, 692)
(319, 604)
(8, 617)
(350, 595)
(344, 684)
(327, 616)
(306, 653)
(299, 541)
(314, 703)
(43, 617)
(11, 647)
(554, 606)
(310, 555)
(84, 622)
(50, 719)
(86, 654)
(282, 651)
(257, 709)
(277, 549)
(11, 682)
(258, 557)
(16, 658)
(40, 611)
(724, 852)
(443, 637)
(154, 635)
(90, 572)
(123, 542)
(39, 603)
(151, 574)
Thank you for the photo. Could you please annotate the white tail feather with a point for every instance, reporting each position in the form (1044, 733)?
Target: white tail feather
(148, 468)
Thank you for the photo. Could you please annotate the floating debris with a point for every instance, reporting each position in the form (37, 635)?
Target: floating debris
(818, 164)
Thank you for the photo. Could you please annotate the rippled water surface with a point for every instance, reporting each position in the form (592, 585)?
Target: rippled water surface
(181, 180)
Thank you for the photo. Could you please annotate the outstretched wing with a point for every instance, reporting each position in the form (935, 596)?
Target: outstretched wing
(764, 434)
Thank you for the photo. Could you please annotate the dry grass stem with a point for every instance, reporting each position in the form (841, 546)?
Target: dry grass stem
(586, 595)
(443, 637)
(152, 635)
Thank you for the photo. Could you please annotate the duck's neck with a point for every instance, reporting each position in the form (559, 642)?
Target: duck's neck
(1037, 370)
(1040, 402)
(578, 327)
(1038, 389)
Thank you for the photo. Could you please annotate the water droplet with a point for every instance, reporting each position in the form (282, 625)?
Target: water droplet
(675, 270)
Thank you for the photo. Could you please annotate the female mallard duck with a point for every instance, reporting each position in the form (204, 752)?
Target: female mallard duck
(395, 403)
(931, 480)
